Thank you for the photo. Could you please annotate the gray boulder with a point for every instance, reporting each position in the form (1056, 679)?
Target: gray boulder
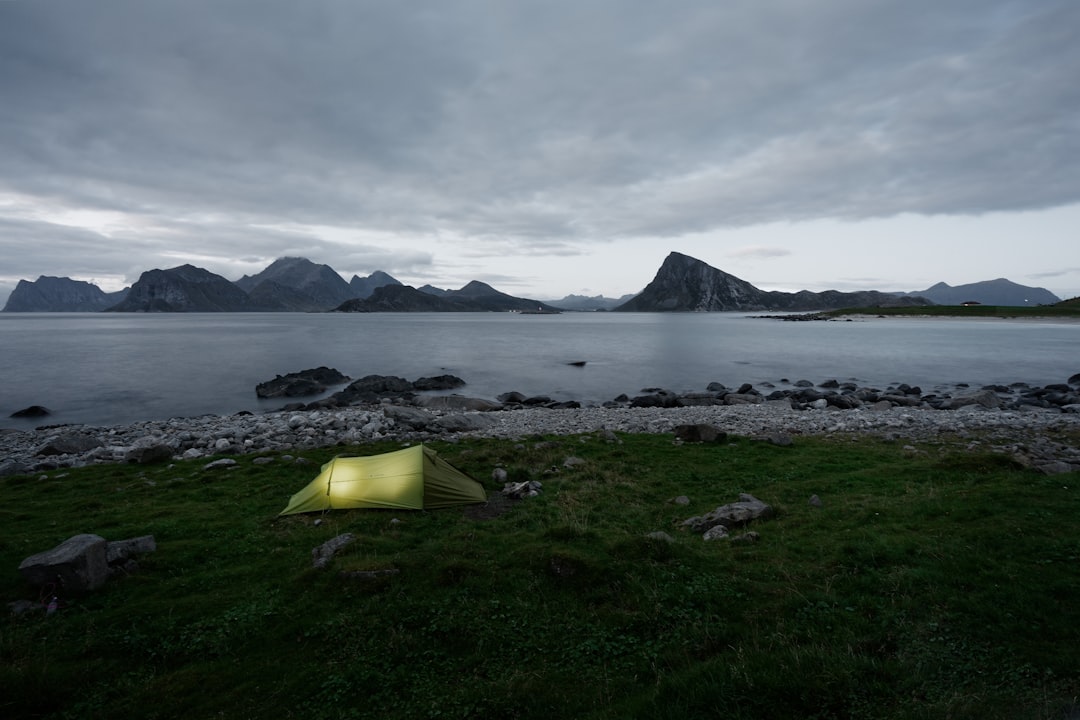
(983, 398)
(322, 555)
(732, 515)
(149, 450)
(77, 565)
(68, 444)
(410, 417)
(463, 423)
(716, 532)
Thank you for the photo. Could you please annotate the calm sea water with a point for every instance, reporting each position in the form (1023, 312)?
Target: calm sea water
(106, 369)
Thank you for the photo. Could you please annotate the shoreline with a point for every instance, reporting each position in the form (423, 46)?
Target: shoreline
(1045, 439)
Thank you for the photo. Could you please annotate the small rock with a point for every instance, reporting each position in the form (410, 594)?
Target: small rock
(220, 464)
(716, 532)
(31, 412)
(815, 501)
(660, 535)
(322, 555)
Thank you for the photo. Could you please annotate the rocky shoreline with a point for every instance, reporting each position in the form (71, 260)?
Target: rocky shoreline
(1040, 427)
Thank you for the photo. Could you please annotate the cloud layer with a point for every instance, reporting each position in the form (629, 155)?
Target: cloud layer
(436, 136)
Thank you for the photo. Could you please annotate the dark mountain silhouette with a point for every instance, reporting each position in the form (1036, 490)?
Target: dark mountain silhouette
(292, 284)
(987, 292)
(363, 287)
(400, 298)
(474, 297)
(583, 303)
(432, 290)
(321, 284)
(183, 289)
(685, 284)
(272, 296)
(60, 294)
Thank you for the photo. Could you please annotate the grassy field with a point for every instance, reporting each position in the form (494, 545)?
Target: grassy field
(935, 583)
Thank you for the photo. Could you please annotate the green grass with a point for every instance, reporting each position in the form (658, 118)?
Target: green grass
(929, 585)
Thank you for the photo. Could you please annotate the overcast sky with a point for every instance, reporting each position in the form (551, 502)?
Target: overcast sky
(545, 147)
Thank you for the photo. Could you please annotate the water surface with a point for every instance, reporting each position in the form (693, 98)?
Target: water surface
(111, 368)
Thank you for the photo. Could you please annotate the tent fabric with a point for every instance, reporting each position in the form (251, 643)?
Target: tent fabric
(415, 478)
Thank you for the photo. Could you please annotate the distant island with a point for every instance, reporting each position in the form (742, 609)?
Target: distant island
(293, 284)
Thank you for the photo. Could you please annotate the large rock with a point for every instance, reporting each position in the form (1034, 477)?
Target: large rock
(438, 382)
(464, 423)
(409, 417)
(984, 398)
(656, 398)
(34, 411)
(732, 515)
(301, 384)
(77, 565)
(68, 444)
(322, 555)
(373, 388)
(149, 450)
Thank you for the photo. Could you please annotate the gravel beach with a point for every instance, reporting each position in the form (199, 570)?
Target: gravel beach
(1047, 440)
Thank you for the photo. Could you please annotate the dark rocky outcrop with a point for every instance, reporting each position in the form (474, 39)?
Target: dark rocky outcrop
(438, 382)
(59, 294)
(301, 384)
(34, 411)
(373, 388)
(684, 284)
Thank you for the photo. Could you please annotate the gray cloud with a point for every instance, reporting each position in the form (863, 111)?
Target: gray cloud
(539, 126)
(758, 251)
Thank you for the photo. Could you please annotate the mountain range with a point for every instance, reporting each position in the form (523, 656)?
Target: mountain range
(291, 284)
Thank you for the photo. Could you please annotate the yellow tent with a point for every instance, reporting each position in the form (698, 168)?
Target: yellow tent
(415, 478)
